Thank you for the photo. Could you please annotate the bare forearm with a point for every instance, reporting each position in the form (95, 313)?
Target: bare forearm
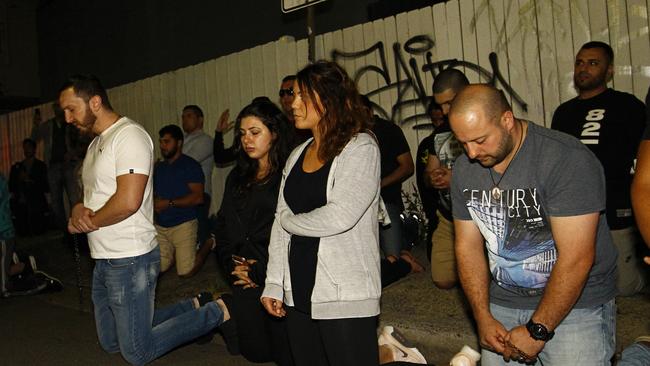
(475, 279)
(124, 202)
(114, 211)
(397, 176)
(189, 200)
(641, 191)
(641, 205)
(562, 290)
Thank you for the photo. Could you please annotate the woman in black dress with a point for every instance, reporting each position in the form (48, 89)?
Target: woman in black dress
(243, 228)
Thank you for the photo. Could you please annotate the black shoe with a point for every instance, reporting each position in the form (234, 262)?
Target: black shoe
(204, 298)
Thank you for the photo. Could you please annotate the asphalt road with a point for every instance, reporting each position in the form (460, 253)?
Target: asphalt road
(36, 332)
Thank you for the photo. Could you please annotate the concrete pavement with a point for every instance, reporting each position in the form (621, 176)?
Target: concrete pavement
(437, 321)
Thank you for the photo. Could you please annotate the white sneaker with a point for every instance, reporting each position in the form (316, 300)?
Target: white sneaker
(466, 357)
(400, 347)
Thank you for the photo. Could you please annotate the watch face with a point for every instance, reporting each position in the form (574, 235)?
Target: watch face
(539, 331)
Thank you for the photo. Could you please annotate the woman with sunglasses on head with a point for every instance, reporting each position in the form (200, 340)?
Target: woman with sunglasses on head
(323, 272)
(243, 228)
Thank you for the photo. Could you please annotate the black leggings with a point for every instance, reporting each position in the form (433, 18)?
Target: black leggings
(332, 342)
(393, 271)
(261, 337)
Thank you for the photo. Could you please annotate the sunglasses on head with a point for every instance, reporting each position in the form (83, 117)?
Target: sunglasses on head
(288, 91)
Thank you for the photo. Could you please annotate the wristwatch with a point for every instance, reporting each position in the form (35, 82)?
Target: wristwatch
(539, 331)
(171, 203)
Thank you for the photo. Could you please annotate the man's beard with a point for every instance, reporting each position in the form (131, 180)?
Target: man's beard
(505, 147)
(86, 125)
(590, 83)
(169, 153)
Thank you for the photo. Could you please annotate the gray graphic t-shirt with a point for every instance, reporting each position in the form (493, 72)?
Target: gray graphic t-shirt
(552, 175)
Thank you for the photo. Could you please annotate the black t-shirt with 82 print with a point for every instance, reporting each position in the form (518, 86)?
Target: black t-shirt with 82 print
(610, 125)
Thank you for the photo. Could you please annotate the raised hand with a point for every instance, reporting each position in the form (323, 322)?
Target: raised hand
(224, 124)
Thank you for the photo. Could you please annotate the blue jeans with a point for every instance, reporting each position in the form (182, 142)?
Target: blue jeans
(391, 237)
(584, 337)
(123, 295)
(635, 355)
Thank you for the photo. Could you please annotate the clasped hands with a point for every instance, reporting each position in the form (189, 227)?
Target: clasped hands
(514, 345)
(440, 178)
(241, 272)
(80, 220)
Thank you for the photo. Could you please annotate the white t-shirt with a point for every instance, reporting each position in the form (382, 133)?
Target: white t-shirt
(123, 148)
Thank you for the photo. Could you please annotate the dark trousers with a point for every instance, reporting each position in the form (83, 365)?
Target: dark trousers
(332, 342)
(6, 256)
(62, 176)
(391, 272)
(261, 337)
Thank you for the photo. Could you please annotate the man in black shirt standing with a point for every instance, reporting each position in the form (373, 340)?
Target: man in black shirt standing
(610, 123)
(396, 167)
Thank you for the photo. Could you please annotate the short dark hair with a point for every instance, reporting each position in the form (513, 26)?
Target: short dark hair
(261, 99)
(194, 108)
(29, 142)
(449, 79)
(602, 45)
(172, 130)
(85, 87)
(289, 78)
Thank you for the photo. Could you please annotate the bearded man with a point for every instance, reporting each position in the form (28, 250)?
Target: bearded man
(178, 193)
(116, 211)
(610, 123)
(535, 257)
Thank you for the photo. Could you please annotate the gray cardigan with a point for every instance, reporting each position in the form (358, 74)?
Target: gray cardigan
(348, 281)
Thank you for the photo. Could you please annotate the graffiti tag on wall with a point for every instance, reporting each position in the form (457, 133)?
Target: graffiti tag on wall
(409, 76)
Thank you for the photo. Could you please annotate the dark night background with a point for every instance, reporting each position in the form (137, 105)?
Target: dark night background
(126, 40)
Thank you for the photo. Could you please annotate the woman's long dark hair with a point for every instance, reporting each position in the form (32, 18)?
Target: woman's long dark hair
(343, 115)
(277, 123)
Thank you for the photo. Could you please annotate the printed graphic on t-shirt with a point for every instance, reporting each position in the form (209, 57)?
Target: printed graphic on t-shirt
(424, 157)
(591, 128)
(521, 249)
(447, 150)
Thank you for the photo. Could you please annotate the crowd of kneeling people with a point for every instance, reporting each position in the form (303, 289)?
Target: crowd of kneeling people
(305, 218)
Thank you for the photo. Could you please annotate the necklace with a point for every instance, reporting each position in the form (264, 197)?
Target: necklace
(496, 191)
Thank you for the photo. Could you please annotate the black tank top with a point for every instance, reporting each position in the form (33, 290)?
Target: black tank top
(304, 192)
